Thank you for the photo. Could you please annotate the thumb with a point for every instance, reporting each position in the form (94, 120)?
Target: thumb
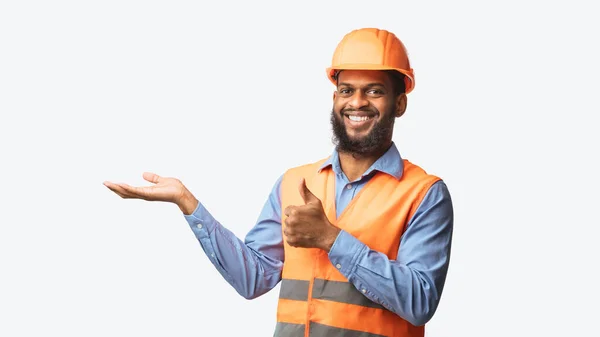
(152, 177)
(306, 194)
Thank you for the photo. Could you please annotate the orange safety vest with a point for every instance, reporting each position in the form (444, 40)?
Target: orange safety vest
(315, 298)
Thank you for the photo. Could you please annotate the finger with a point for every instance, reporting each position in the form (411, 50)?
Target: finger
(117, 190)
(136, 192)
(152, 177)
(286, 231)
(124, 196)
(113, 187)
(127, 191)
(306, 194)
(288, 211)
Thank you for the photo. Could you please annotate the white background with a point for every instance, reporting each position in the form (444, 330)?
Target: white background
(226, 96)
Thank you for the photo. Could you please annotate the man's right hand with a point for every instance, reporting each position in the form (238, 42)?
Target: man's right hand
(164, 189)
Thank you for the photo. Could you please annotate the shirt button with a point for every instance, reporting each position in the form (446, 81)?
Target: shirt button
(199, 226)
(364, 290)
(349, 186)
(338, 266)
(212, 254)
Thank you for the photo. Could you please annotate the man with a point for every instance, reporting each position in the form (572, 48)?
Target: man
(360, 240)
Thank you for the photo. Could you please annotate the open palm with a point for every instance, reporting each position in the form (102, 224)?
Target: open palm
(164, 189)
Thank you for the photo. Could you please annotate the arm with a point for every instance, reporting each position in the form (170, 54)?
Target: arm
(252, 267)
(411, 285)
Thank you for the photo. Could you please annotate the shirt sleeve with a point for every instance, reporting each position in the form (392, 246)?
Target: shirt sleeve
(253, 266)
(411, 285)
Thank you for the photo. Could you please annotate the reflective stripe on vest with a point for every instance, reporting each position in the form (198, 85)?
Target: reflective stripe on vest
(294, 289)
(336, 291)
(317, 330)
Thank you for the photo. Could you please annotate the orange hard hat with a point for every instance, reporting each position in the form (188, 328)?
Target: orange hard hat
(371, 49)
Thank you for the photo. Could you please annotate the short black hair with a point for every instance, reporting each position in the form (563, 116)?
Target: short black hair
(398, 81)
(396, 77)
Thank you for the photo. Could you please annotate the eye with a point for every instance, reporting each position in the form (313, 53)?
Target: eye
(376, 92)
(345, 91)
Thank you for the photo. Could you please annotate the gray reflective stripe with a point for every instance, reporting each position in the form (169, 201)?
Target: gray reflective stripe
(320, 330)
(294, 289)
(289, 330)
(344, 292)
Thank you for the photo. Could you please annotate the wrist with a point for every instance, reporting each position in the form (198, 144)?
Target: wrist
(330, 238)
(187, 203)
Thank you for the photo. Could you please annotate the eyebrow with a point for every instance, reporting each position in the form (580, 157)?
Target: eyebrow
(369, 85)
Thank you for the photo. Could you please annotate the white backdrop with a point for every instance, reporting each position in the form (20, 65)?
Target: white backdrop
(226, 96)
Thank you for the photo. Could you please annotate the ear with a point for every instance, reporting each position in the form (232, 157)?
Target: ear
(401, 102)
(334, 95)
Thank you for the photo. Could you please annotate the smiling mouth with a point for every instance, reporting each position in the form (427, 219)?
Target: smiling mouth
(359, 118)
(359, 121)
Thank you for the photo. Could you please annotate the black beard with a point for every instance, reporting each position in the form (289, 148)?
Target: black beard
(376, 142)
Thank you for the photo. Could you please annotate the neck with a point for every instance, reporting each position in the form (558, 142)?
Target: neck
(355, 165)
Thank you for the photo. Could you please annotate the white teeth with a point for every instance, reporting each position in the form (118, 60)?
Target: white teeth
(358, 119)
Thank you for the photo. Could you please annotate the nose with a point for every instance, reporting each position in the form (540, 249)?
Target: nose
(358, 100)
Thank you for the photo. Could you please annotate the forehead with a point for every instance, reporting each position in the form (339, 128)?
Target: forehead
(363, 77)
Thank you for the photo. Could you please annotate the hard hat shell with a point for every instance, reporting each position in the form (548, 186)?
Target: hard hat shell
(371, 49)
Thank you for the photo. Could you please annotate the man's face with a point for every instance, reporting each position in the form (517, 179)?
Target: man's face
(364, 109)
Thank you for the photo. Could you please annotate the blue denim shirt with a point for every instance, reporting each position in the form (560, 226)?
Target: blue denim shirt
(410, 285)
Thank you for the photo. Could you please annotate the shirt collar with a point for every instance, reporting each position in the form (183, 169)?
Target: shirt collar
(390, 163)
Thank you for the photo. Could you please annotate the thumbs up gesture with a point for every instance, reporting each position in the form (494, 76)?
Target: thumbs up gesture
(307, 225)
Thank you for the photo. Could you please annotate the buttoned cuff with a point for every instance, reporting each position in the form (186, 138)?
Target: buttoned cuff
(201, 222)
(345, 252)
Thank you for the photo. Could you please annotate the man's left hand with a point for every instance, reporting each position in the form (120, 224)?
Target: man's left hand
(307, 225)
